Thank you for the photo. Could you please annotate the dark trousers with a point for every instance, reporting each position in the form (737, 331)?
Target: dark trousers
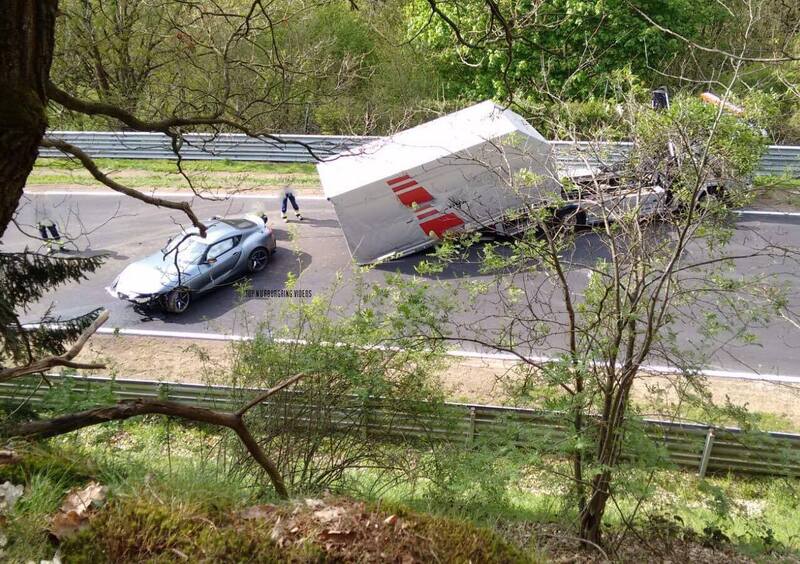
(289, 197)
(53, 232)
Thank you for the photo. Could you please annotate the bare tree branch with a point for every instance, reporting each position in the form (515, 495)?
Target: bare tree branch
(91, 166)
(127, 409)
(62, 360)
(275, 389)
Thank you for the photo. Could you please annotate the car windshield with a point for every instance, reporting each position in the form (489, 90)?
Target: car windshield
(189, 250)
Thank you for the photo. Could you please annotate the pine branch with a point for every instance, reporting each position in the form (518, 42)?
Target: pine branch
(61, 360)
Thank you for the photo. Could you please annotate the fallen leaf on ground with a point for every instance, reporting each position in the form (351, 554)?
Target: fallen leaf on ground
(314, 503)
(8, 457)
(257, 512)
(56, 558)
(9, 494)
(329, 514)
(75, 510)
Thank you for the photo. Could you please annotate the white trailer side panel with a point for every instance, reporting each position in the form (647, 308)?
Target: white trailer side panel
(404, 207)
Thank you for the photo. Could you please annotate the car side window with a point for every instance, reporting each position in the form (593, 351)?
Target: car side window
(218, 249)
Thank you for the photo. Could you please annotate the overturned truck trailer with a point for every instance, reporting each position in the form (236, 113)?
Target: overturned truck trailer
(465, 171)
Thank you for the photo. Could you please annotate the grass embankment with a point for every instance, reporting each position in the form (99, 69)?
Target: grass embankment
(170, 501)
(777, 193)
(163, 175)
(175, 494)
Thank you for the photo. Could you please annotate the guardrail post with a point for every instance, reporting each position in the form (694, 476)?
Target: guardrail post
(163, 391)
(706, 452)
(471, 432)
(367, 409)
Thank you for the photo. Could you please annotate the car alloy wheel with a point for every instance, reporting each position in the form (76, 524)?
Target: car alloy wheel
(258, 259)
(178, 300)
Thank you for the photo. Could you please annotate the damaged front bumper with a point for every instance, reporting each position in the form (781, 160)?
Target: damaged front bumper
(135, 298)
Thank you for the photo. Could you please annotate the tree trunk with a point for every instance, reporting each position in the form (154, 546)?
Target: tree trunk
(26, 51)
(592, 513)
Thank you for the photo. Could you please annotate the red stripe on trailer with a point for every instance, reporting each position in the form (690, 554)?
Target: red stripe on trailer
(427, 214)
(423, 209)
(398, 179)
(404, 185)
(439, 225)
(418, 195)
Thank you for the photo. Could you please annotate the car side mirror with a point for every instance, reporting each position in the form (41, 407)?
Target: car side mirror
(211, 260)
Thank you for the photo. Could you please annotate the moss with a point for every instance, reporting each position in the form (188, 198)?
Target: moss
(46, 475)
(61, 465)
(457, 541)
(137, 530)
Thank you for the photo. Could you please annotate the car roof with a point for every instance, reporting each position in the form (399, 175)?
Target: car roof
(220, 229)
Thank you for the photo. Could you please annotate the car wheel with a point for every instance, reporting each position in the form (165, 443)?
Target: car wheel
(177, 301)
(257, 260)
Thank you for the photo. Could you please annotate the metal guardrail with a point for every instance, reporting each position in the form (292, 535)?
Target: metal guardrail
(778, 160)
(699, 447)
(201, 146)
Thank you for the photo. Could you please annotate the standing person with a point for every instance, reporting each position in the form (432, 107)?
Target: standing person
(46, 225)
(287, 195)
(48, 229)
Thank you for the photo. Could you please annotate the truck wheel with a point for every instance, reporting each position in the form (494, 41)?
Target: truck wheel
(177, 301)
(257, 260)
(714, 191)
(571, 219)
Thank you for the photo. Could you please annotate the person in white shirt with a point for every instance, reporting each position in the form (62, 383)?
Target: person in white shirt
(287, 195)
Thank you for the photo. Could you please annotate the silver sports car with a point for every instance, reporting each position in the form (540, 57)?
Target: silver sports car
(189, 265)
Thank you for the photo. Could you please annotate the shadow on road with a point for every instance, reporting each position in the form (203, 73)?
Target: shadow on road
(588, 248)
(106, 254)
(332, 223)
(218, 302)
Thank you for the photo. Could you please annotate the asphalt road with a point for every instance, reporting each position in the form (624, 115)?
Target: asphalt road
(127, 230)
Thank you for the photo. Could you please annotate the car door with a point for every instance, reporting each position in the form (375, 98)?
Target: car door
(222, 257)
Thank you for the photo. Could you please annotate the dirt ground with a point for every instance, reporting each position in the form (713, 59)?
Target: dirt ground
(467, 380)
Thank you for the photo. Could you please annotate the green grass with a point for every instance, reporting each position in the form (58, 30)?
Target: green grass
(778, 182)
(185, 468)
(163, 174)
(781, 190)
(722, 417)
(171, 493)
(165, 165)
(758, 516)
(165, 461)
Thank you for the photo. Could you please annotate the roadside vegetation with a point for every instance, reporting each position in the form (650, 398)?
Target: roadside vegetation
(388, 65)
(206, 176)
